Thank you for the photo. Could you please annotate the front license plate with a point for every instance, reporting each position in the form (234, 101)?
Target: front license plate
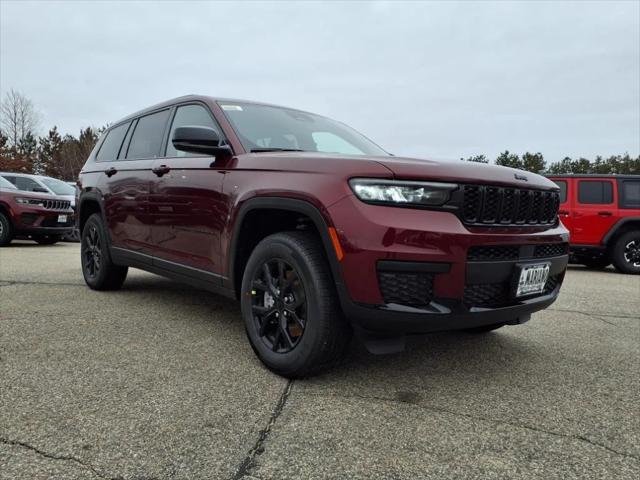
(62, 219)
(532, 279)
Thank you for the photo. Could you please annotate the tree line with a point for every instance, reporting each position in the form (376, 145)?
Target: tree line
(62, 156)
(54, 155)
(535, 162)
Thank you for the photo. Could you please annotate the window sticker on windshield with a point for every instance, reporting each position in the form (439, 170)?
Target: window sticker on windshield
(236, 108)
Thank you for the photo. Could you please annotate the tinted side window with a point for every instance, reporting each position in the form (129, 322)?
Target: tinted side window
(563, 190)
(631, 193)
(594, 192)
(189, 115)
(111, 144)
(146, 141)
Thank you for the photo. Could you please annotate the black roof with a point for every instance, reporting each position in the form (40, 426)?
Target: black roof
(593, 175)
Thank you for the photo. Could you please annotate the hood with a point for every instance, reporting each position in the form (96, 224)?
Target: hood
(21, 193)
(455, 171)
(463, 172)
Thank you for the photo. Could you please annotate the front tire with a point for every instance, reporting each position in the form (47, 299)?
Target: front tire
(290, 306)
(99, 272)
(626, 253)
(6, 230)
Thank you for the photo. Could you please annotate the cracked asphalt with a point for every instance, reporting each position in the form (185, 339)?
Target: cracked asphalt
(157, 381)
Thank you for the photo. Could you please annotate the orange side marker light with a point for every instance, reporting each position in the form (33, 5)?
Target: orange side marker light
(336, 243)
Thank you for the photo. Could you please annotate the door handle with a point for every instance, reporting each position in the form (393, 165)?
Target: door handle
(110, 172)
(563, 212)
(161, 170)
(604, 214)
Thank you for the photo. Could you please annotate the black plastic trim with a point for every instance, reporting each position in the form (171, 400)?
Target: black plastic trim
(502, 271)
(290, 204)
(195, 277)
(418, 267)
(614, 229)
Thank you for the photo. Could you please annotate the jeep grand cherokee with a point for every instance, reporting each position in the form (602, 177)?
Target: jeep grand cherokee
(315, 229)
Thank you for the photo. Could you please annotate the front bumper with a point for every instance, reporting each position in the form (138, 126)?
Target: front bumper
(436, 244)
(33, 221)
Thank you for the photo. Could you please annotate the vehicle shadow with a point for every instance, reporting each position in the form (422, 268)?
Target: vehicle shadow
(454, 352)
(582, 268)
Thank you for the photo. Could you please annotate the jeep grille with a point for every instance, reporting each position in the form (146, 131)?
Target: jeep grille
(490, 205)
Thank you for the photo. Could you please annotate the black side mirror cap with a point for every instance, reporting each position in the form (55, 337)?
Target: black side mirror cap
(195, 139)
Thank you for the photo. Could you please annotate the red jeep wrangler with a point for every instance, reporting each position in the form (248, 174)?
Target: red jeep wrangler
(602, 213)
(316, 229)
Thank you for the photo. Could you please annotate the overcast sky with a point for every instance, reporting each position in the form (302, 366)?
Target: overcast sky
(439, 80)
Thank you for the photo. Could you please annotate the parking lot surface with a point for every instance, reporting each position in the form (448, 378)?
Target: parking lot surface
(157, 381)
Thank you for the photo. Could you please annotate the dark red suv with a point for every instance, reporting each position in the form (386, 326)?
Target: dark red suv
(315, 229)
(30, 215)
(602, 213)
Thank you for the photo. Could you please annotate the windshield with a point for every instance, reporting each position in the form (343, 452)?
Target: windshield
(266, 128)
(58, 186)
(4, 183)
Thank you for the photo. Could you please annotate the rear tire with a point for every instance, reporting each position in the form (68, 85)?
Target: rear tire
(47, 239)
(99, 272)
(6, 230)
(290, 307)
(626, 253)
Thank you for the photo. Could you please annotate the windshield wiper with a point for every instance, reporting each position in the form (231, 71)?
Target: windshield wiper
(258, 150)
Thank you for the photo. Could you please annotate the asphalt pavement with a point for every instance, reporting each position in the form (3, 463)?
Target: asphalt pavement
(157, 381)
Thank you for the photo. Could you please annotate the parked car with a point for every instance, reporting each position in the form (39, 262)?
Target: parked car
(315, 229)
(602, 213)
(42, 184)
(37, 216)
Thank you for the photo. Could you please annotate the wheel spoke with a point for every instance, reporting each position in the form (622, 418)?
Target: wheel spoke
(286, 336)
(276, 340)
(281, 279)
(269, 279)
(296, 318)
(261, 310)
(257, 285)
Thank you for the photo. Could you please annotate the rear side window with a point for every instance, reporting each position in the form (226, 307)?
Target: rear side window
(563, 190)
(595, 192)
(111, 144)
(146, 141)
(630, 193)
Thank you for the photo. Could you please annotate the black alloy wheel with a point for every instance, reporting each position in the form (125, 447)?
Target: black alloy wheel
(99, 271)
(290, 306)
(92, 252)
(279, 305)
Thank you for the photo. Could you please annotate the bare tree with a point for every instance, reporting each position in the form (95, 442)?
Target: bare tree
(18, 117)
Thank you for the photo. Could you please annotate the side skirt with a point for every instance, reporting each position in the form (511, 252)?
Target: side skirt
(191, 276)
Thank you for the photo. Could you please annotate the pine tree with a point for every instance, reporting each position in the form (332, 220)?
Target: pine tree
(507, 159)
(533, 162)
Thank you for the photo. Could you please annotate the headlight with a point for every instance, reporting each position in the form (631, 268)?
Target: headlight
(30, 201)
(401, 192)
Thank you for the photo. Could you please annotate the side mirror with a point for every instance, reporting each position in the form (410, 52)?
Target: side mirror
(40, 190)
(199, 140)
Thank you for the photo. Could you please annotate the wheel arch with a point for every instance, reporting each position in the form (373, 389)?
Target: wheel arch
(255, 205)
(4, 208)
(619, 228)
(90, 202)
